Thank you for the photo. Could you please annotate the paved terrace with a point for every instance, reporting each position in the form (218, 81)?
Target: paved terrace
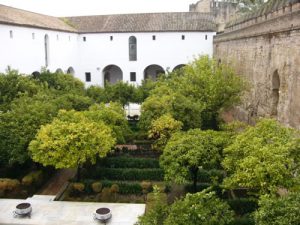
(45, 211)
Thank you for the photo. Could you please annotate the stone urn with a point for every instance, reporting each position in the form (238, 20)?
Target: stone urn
(23, 209)
(103, 214)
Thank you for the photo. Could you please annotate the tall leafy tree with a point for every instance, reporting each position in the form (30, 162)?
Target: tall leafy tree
(251, 5)
(264, 158)
(187, 152)
(195, 95)
(19, 125)
(70, 140)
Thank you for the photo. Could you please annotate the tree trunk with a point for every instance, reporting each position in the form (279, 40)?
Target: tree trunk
(194, 172)
(78, 176)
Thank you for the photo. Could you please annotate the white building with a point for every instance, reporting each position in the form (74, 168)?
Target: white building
(128, 47)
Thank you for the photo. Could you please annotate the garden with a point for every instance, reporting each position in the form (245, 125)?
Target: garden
(179, 157)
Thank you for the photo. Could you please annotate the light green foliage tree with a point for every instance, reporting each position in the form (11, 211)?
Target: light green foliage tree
(70, 140)
(113, 115)
(187, 152)
(195, 95)
(264, 158)
(162, 129)
(14, 85)
(279, 210)
(202, 208)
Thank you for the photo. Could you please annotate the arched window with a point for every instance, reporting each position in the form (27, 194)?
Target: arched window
(46, 50)
(132, 49)
(71, 70)
(112, 74)
(153, 71)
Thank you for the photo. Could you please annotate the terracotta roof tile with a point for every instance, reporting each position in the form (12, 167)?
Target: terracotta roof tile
(10, 15)
(145, 22)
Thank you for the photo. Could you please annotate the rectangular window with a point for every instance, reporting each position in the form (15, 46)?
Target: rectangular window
(33, 36)
(153, 37)
(182, 37)
(206, 37)
(88, 77)
(111, 38)
(132, 76)
(11, 34)
(84, 38)
(57, 37)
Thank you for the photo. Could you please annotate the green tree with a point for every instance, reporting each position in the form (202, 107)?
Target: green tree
(19, 125)
(279, 210)
(162, 129)
(121, 92)
(250, 5)
(187, 152)
(202, 208)
(143, 90)
(113, 115)
(71, 140)
(264, 158)
(97, 93)
(61, 82)
(194, 95)
(14, 85)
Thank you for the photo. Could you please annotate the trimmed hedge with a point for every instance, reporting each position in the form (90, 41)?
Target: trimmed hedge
(125, 188)
(129, 162)
(142, 151)
(127, 174)
(242, 206)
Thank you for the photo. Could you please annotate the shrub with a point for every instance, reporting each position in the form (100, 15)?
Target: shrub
(114, 189)
(200, 208)
(279, 210)
(106, 194)
(156, 210)
(125, 188)
(146, 186)
(8, 184)
(97, 187)
(78, 187)
(34, 178)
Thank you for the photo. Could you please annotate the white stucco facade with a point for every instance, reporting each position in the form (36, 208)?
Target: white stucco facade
(23, 48)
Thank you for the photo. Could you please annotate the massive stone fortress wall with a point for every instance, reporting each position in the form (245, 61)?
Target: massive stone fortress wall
(266, 50)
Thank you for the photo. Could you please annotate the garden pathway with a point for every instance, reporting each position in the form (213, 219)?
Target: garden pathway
(57, 182)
